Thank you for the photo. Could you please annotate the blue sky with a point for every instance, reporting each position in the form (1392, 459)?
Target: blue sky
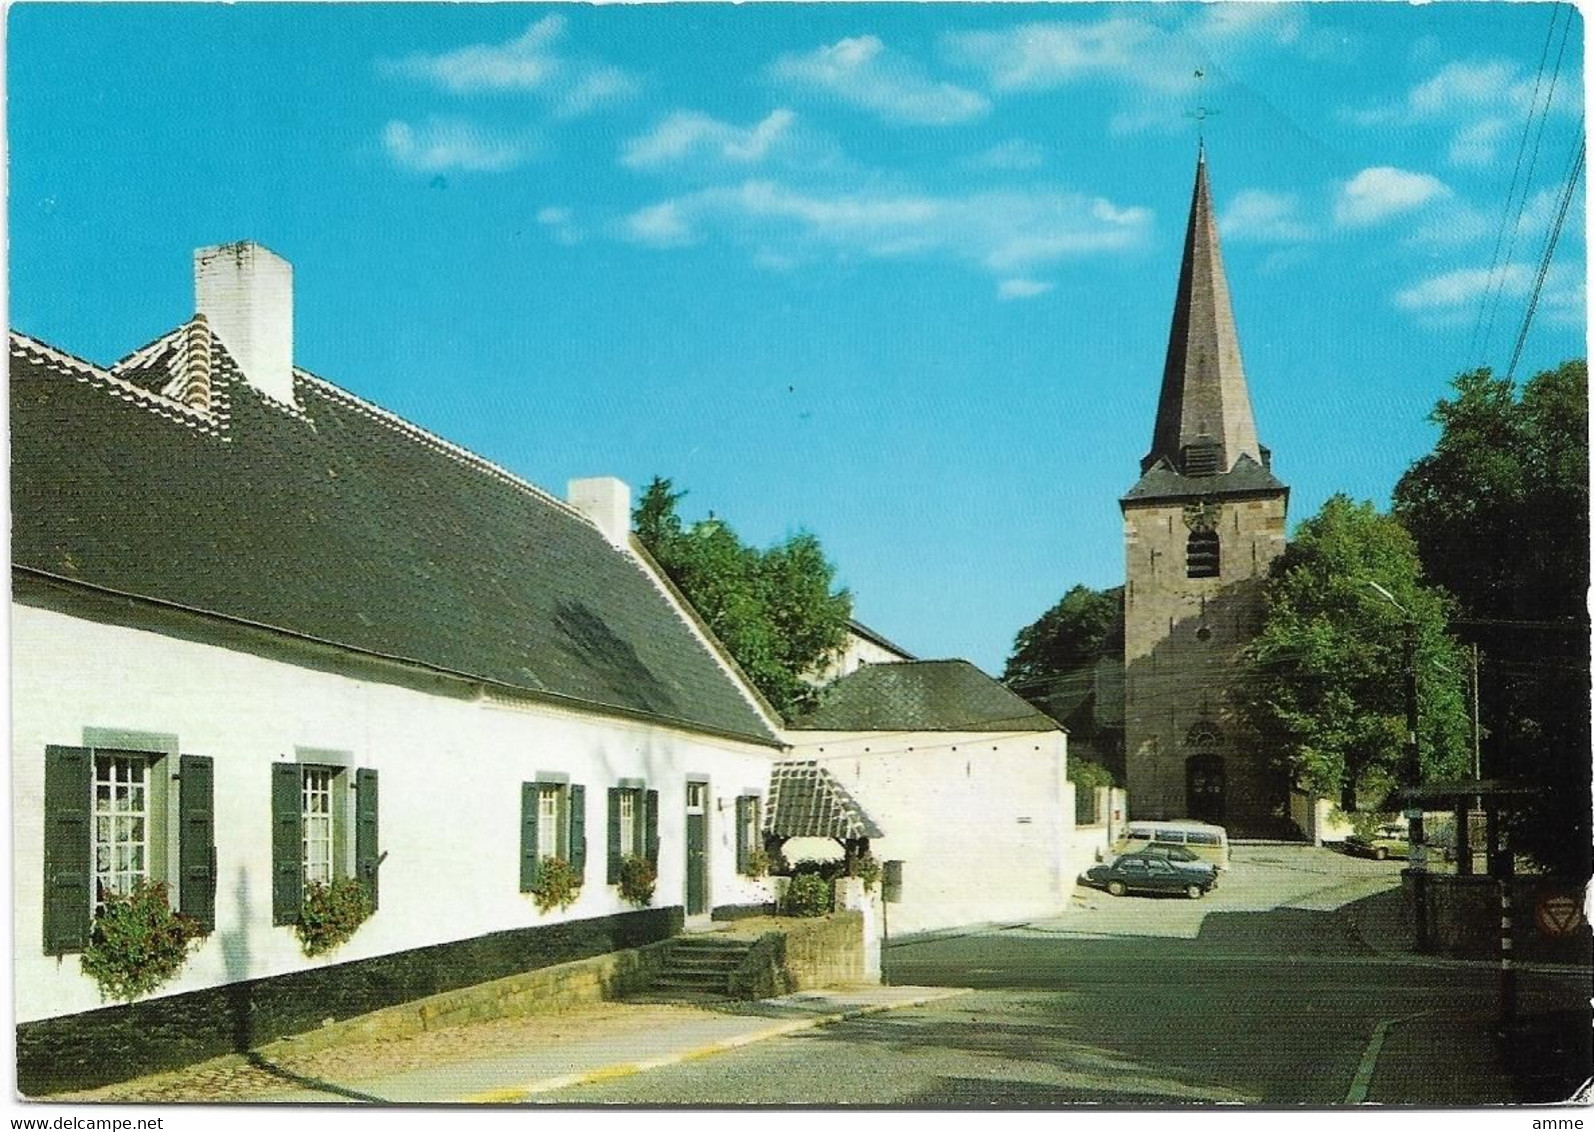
(899, 275)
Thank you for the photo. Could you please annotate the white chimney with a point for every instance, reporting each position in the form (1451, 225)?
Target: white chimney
(245, 292)
(607, 502)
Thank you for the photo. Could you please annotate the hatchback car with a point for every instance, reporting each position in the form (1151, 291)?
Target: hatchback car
(1137, 872)
(1178, 854)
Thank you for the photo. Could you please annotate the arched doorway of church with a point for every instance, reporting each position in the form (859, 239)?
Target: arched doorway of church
(1205, 786)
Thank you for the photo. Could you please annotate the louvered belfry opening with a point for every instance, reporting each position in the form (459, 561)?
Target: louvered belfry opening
(1202, 555)
(1203, 457)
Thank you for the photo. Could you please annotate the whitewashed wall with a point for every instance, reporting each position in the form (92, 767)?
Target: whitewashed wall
(983, 823)
(450, 775)
(857, 652)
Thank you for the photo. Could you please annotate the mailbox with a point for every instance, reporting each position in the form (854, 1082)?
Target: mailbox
(891, 882)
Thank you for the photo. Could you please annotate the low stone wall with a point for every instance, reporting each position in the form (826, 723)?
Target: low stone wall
(802, 954)
(98, 1047)
(551, 988)
(1464, 918)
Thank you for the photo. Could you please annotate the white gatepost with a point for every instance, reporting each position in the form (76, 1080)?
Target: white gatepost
(852, 896)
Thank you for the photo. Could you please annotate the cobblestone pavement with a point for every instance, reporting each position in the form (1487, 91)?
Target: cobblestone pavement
(278, 1067)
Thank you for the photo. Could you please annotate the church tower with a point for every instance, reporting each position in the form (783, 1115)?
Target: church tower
(1201, 527)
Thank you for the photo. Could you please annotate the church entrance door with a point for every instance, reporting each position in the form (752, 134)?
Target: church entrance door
(1204, 788)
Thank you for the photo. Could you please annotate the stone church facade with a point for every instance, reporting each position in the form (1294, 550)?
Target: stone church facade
(1201, 527)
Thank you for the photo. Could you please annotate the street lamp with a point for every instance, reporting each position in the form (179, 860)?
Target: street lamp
(1418, 857)
(1413, 760)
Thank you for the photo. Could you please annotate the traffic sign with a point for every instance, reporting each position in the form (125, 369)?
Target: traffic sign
(1558, 915)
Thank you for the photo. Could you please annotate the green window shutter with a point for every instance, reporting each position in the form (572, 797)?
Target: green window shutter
(578, 831)
(614, 836)
(287, 843)
(650, 828)
(741, 835)
(528, 837)
(196, 839)
(68, 859)
(367, 851)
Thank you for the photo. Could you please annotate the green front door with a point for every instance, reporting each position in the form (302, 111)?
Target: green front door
(696, 848)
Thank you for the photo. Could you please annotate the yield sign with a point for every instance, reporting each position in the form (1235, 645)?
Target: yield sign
(1558, 915)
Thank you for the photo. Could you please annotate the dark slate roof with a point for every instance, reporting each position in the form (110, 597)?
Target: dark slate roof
(342, 523)
(805, 800)
(858, 628)
(921, 695)
(1247, 477)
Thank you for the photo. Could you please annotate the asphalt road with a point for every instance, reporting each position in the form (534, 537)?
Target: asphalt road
(1259, 994)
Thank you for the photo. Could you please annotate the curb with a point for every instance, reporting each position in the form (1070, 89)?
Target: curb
(517, 1093)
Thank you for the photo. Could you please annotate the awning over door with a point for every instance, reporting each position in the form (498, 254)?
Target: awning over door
(805, 800)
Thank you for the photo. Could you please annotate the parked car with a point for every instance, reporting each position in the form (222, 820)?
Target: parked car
(1393, 841)
(1207, 841)
(1178, 854)
(1139, 872)
(1383, 842)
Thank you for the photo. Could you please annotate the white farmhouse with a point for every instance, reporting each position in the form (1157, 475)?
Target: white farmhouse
(961, 781)
(267, 634)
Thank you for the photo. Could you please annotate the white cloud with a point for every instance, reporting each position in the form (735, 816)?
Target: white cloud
(1478, 143)
(1450, 224)
(440, 144)
(1015, 154)
(1464, 287)
(561, 225)
(1486, 99)
(1454, 298)
(1004, 233)
(1378, 193)
(864, 72)
(1255, 214)
(1010, 289)
(1459, 85)
(528, 63)
(687, 135)
(1042, 56)
(663, 225)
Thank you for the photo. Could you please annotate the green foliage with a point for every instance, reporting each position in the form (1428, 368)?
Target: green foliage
(807, 894)
(1088, 775)
(867, 869)
(1069, 637)
(637, 878)
(1500, 514)
(775, 610)
(138, 943)
(331, 914)
(1054, 666)
(1328, 694)
(558, 884)
(759, 863)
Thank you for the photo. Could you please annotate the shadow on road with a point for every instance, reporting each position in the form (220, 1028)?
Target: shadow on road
(1258, 1004)
(1047, 1044)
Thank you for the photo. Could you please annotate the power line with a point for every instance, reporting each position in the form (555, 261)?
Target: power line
(1549, 250)
(1477, 349)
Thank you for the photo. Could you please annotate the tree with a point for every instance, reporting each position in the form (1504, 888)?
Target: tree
(1068, 637)
(1053, 666)
(1329, 692)
(775, 611)
(1499, 511)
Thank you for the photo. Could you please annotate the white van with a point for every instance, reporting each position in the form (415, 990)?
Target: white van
(1206, 841)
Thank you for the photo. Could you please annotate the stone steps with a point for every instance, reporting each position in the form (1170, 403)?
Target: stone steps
(701, 965)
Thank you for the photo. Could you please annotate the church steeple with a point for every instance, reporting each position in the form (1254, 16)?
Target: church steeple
(1204, 422)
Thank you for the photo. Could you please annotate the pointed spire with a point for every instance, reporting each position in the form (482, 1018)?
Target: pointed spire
(1204, 421)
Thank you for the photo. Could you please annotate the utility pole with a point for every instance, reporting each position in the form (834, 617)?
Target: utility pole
(1419, 851)
(1418, 859)
(1477, 760)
